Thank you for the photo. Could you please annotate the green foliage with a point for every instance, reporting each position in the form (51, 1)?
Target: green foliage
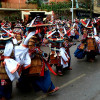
(39, 2)
(61, 8)
(56, 6)
(64, 5)
(13, 17)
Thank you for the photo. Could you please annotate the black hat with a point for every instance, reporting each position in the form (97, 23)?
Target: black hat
(37, 19)
(35, 14)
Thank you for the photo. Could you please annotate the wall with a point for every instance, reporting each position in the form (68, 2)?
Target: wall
(96, 9)
(16, 1)
(18, 4)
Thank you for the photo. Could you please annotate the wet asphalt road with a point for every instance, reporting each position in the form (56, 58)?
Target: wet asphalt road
(81, 83)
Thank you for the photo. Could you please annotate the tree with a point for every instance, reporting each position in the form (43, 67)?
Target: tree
(56, 7)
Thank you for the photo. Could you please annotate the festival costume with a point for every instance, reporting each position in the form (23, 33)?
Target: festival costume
(97, 25)
(58, 55)
(5, 83)
(37, 74)
(41, 68)
(88, 44)
(8, 66)
(97, 39)
(67, 45)
(74, 32)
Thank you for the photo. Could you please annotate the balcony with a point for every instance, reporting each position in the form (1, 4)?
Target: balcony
(18, 5)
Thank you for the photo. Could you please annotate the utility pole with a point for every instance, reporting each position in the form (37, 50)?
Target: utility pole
(72, 11)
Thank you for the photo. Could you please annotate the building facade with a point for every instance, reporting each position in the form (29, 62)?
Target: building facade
(97, 7)
(11, 9)
(18, 4)
(81, 7)
(59, 0)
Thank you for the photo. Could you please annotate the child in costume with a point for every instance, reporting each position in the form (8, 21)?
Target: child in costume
(58, 55)
(67, 44)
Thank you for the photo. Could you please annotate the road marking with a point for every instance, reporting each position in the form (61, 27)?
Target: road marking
(70, 82)
(64, 85)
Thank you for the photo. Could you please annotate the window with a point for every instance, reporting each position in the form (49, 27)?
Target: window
(98, 3)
